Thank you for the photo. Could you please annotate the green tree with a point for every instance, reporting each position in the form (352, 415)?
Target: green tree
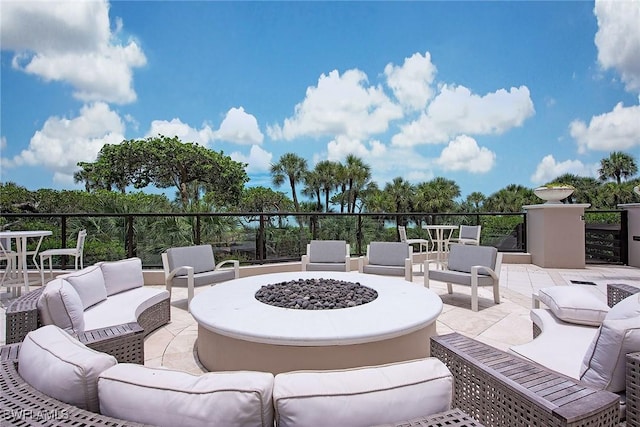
(510, 199)
(291, 167)
(400, 193)
(326, 172)
(617, 166)
(358, 175)
(167, 162)
(437, 195)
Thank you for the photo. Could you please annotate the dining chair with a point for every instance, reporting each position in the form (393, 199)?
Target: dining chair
(468, 235)
(10, 257)
(76, 252)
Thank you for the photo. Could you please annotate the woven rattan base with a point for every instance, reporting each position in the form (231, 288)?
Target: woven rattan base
(452, 418)
(500, 389)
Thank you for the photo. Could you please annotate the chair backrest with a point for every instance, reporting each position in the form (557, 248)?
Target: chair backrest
(200, 257)
(403, 233)
(5, 245)
(327, 251)
(470, 232)
(388, 253)
(82, 235)
(463, 257)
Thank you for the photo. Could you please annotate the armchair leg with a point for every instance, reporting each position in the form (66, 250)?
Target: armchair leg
(449, 288)
(474, 293)
(496, 293)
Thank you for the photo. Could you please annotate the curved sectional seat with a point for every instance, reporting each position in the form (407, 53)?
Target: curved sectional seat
(105, 306)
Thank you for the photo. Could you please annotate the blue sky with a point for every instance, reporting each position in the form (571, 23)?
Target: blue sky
(484, 93)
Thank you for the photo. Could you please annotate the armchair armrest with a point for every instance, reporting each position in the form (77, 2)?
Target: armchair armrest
(408, 269)
(362, 261)
(234, 263)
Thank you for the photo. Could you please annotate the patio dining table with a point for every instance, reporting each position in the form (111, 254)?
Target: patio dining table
(440, 235)
(21, 238)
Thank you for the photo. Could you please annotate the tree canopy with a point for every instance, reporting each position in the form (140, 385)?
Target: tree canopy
(166, 162)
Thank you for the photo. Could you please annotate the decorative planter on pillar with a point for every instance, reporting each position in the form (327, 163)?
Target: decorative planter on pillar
(555, 234)
(633, 230)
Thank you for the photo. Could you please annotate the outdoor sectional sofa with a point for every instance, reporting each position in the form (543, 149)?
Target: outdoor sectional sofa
(106, 306)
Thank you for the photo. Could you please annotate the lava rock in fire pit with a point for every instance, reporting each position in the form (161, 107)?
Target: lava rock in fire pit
(316, 294)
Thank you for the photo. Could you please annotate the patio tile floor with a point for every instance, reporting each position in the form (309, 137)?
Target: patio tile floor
(501, 325)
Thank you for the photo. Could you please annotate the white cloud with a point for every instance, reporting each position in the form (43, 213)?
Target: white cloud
(618, 39)
(258, 160)
(549, 169)
(339, 105)
(63, 142)
(616, 130)
(239, 127)
(385, 161)
(455, 111)
(71, 42)
(411, 82)
(463, 153)
(183, 131)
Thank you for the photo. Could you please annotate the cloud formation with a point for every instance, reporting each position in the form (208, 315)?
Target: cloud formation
(412, 82)
(240, 128)
(339, 105)
(63, 142)
(71, 42)
(618, 39)
(258, 160)
(615, 130)
(464, 154)
(549, 169)
(186, 133)
(456, 111)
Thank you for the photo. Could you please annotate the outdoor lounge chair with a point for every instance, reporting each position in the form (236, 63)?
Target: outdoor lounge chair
(591, 342)
(327, 255)
(387, 258)
(471, 266)
(192, 266)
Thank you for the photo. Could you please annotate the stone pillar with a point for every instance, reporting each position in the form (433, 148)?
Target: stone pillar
(555, 235)
(633, 236)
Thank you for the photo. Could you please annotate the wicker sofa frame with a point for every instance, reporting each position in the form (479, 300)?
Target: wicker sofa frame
(125, 342)
(509, 391)
(22, 405)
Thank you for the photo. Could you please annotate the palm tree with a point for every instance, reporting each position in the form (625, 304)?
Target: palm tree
(473, 202)
(292, 167)
(617, 166)
(437, 195)
(326, 171)
(510, 199)
(358, 175)
(400, 193)
(312, 187)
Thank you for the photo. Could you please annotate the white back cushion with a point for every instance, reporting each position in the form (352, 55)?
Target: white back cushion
(60, 305)
(362, 396)
(604, 363)
(120, 276)
(89, 283)
(60, 366)
(164, 397)
(574, 304)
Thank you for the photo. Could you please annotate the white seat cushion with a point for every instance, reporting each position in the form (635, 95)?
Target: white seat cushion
(362, 396)
(89, 283)
(120, 276)
(164, 397)
(561, 345)
(574, 304)
(604, 363)
(60, 305)
(60, 366)
(122, 308)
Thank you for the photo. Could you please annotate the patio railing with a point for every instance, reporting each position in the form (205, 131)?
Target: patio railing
(252, 237)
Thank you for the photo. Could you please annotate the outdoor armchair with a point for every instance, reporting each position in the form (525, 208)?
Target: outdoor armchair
(387, 258)
(191, 266)
(327, 255)
(468, 235)
(471, 266)
(76, 252)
